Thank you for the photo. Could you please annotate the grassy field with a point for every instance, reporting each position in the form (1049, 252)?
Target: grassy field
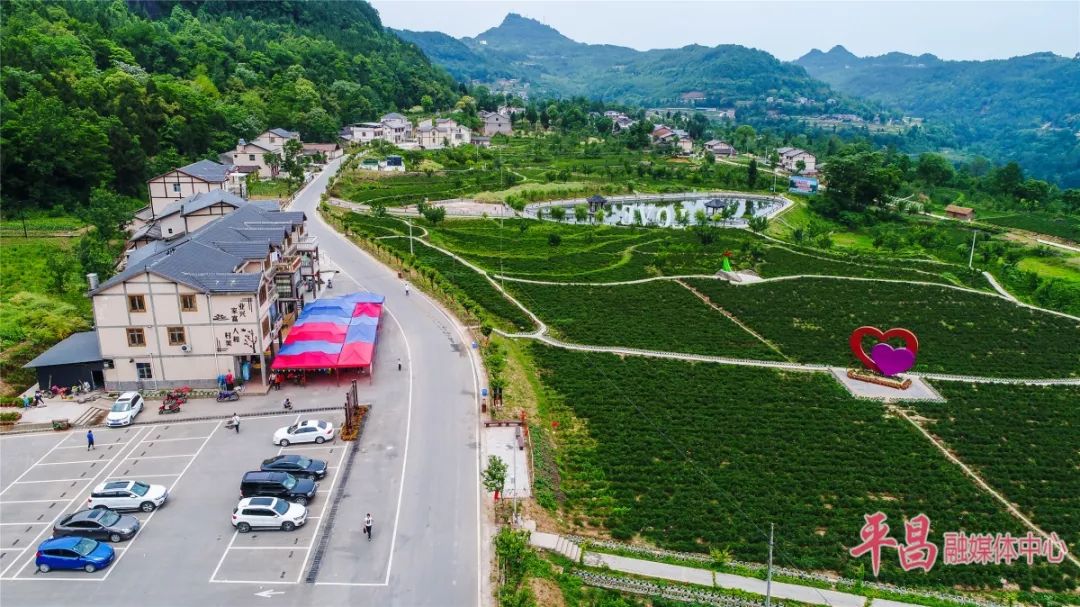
(269, 188)
(647, 453)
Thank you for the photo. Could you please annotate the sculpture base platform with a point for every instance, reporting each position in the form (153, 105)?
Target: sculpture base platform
(876, 387)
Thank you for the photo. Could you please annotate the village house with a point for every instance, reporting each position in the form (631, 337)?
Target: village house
(686, 145)
(185, 312)
(396, 128)
(662, 134)
(184, 216)
(622, 122)
(363, 132)
(274, 139)
(444, 132)
(720, 148)
(329, 151)
(481, 142)
(790, 157)
(252, 157)
(197, 177)
(961, 213)
(495, 123)
(509, 110)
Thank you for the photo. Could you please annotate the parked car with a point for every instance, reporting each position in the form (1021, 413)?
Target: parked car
(278, 484)
(296, 465)
(267, 513)
(73, 553)
(98, 524)
(308, 431)
(125, 409)
(127, 495)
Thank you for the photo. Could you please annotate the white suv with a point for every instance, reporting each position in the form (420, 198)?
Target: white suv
(125, 409)
(127, 495)
(268, 513)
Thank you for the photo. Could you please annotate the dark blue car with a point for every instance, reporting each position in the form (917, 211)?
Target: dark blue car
(73, 553)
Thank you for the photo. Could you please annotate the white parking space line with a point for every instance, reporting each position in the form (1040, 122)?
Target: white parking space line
(29, 501)
(318, 523)
(302, 447)
(60, 512)
(171, 487)
(162, 456)
(50, 578)
(223, 555)
(368, 584)
(260, 582)
(55, 480)
(168, 440)
(80, 461)
(22, 524)
(149, 475)
(271, 548)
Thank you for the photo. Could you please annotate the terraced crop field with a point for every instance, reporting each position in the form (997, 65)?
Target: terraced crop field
(693, 456)
(959, 332)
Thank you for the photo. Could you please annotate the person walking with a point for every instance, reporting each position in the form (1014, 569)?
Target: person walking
(406, 283)
(367, 526)
(236, 423)
(229, 381)
(399, 363)
(89, 440)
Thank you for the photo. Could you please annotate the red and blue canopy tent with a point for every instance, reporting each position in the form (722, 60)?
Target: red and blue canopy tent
(333, 333)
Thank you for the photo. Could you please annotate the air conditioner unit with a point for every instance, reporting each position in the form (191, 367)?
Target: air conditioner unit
(185, 348)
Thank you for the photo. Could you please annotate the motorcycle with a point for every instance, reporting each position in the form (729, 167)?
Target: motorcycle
(228, 395)
(169, 407)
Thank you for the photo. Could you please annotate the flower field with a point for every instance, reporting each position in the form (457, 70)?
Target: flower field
(1023, 441)
(695, 456)
(959, 332)
(654, 316)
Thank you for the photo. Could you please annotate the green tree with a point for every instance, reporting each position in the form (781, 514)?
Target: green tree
(800, 166)
(859, 180)
(752, 173)
(107, 211)
(557, 213)
(744, 134)
(934, 169)
(581, 213)
(495, 475)
(758, 224)
(427, 103)
(434, 214)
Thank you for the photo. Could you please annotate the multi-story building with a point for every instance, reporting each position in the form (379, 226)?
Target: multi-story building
(790, 157)
(396, 128)
(252, 156)
(274, 139)
(195, 178)
(209, 303)
(495, 123)
(445, 132)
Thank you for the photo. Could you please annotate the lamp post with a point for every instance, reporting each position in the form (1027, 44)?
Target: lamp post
(971, 256)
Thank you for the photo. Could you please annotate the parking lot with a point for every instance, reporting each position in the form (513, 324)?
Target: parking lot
(48, 476)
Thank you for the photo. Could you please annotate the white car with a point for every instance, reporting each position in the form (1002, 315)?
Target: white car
(308, 431)
(127, 495)
(125, 409)
(267, 513)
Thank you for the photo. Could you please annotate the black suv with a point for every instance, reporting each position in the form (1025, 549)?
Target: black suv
(278, 484)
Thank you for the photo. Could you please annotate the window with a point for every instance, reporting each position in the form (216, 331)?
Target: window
(176, 187)
(272, 140)
(177, 336)
(283, 286)
(136, 337)
(136, 303)
(251, 157)
(142, 370)
(188, 303)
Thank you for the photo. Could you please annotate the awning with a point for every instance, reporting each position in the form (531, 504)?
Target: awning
(333, 333)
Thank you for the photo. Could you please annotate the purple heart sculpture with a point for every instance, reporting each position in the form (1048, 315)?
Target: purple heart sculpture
(892, 360)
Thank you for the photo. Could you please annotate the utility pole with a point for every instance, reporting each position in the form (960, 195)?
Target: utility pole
(768, 575)
(971, 257)
(410, 239)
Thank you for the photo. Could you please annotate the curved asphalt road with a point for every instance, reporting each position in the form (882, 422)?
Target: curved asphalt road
(437, 555)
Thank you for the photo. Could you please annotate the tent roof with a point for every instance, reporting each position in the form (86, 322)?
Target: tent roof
(76, 348)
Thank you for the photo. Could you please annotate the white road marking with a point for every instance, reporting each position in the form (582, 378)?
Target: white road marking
(166, 440)
(171, 487)
(21, 524)
(61, 511)
(318, 523)
(308, 547)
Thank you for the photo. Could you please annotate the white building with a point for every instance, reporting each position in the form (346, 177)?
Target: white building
(790, 157)
(444, 132)
(210, 303)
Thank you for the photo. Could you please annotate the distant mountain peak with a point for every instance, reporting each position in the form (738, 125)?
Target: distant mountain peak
(840, 51)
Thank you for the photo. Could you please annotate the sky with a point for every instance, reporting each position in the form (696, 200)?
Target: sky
(951, 30)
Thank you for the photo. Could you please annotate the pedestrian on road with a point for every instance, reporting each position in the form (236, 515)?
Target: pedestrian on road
(89, 440)
(287, 404)
(367, 526)
(399, 363)
(236, 423)
(406, 288)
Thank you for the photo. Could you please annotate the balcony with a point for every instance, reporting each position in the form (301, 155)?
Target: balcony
(287, 265)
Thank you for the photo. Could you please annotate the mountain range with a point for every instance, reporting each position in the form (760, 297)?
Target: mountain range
(554, 65)
(1024, 108)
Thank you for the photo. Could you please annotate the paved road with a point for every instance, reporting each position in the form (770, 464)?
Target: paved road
(417, 471)
(437, 554)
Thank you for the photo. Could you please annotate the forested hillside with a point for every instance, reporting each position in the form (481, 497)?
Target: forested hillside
(112, 93)
(555, 65)
(1025, 109)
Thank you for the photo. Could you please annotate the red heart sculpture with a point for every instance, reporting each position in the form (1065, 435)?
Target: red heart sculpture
(910, 341)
